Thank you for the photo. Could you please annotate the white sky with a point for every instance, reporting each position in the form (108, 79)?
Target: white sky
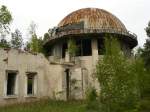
(135, 14)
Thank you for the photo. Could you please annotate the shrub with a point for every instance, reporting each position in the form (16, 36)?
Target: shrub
(118, 78)
(92, 101)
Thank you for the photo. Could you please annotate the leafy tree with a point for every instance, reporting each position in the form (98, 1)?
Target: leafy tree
(5, 19)
(91, 100)
(16, 40)
(145, 52)
(118, 78)
(40, 45)
(72, 48)
(148, 29)
(144, 81)
(4, 43)
(27, 46)
(46, 36)
(35, 44)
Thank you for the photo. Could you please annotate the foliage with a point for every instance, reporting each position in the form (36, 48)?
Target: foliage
(40, 45)
(91, 94)
(27, 46)
(118, 78)
(5, 19)
(145, 52)
(46, 36)
(72, 48)
(144, 79)
(148, 29)
(35, 44)
(4, 43)
(92, 102)
(46, 106)
(144, 87)
(16, 40)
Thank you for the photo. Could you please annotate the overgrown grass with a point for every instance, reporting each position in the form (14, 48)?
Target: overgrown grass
(46, 106)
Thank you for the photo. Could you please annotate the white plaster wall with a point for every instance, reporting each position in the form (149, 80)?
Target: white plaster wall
(25, 62)
(50, 77)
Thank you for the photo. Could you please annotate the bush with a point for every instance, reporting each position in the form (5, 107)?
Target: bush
(92, 101)
(118, 78)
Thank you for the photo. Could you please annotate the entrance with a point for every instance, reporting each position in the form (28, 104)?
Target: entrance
(67, 84)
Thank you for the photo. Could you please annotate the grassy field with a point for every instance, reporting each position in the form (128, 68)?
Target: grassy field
(46, 106)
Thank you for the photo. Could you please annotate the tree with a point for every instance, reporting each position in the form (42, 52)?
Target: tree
(40, 45)
(46, 36)
(148, 29)
(118, 78)
(5, 19)
(35, 44)
(16, 40)
(145, 52)
(72, 49)
(27, 46)
(4, 43)
(144, 81)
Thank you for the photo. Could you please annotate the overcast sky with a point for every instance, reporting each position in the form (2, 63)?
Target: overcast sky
(135, 14)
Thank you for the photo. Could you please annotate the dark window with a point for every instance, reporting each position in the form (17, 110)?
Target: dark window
(64, 48)
(30, 83)
(11, 80)
(86, 47)
(101, 47)
(79, 50)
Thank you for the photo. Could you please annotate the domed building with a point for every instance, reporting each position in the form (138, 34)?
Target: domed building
(89, 24)
(87, 28)
(73, 49)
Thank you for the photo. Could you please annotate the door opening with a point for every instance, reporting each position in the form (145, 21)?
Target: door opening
(67, 84)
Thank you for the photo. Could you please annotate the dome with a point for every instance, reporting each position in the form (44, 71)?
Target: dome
(94, 18)
(90, 23)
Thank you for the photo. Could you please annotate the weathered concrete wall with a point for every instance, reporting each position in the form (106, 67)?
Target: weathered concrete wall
(82, 71)
(24, 62)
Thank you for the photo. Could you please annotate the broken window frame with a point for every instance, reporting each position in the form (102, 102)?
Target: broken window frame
(101, 46)
(84, 47)
(34, 83)
(15, 88)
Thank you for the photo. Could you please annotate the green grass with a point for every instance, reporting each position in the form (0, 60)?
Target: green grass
(46, 106)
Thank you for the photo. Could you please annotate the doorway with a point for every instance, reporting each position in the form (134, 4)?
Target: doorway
(67, 83)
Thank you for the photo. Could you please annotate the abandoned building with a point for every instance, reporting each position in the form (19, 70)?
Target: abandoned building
(25, 76)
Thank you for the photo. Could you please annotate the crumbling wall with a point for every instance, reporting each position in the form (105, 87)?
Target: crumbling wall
(24, 62)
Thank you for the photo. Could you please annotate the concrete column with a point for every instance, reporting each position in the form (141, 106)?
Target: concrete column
(94, 61)
(67, 57)
(94, 52)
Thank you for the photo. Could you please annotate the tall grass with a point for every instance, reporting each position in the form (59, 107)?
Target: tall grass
(46, 106)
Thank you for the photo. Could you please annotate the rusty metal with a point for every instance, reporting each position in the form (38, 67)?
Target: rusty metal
(95, 21)
(85, 31)
(93, 18)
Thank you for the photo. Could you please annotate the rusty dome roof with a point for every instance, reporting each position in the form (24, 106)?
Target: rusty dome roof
(91, 22)
(94, 18)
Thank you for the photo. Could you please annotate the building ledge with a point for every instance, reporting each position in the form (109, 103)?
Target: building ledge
(31, 96)
(11, 97)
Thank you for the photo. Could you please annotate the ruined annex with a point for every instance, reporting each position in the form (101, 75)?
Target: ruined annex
(25, 76)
